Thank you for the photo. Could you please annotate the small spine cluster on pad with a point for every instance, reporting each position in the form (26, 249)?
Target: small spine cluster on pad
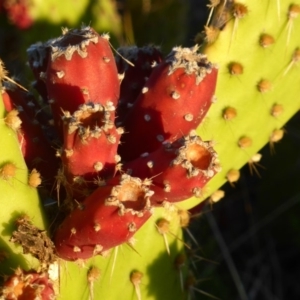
(125, 136)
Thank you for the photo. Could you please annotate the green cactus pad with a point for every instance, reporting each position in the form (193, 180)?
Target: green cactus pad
(148, 255)
(259, 77)
(17, 199)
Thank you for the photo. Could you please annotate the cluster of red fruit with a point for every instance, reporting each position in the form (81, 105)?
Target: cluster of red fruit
(126, 130)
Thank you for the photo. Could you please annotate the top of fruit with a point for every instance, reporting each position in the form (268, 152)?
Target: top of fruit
(73, 40)
(191, 60)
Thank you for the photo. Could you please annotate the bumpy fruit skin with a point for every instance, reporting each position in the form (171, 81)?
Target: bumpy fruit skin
(77, 73)
(107, 218)
(81, 67)
(134, 72)
(188, 160)
(174, 100)
(89, 133)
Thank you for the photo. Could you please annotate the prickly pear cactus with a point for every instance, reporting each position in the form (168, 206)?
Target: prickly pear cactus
(107, 211)
(116, 231)
(115, 209)
(256, 46)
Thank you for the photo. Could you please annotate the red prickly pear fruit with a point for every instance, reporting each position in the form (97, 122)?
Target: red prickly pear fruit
(175, 99)
(90, 143)
(81, 69)
(17, 98)
(29, 285)
(179, 170)
(38, 56)
(107, 218)
(134, 76)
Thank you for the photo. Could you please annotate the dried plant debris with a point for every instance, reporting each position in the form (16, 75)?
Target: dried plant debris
(34, 241)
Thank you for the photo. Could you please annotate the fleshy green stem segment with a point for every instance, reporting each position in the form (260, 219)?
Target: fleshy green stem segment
(18, 198)
(148, 255)
(258, 87)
